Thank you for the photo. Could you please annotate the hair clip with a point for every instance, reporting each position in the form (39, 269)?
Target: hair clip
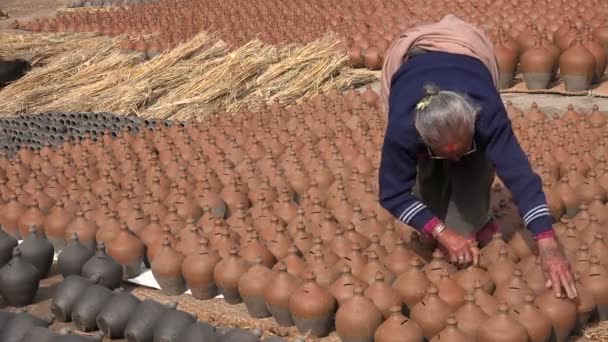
(423, 103)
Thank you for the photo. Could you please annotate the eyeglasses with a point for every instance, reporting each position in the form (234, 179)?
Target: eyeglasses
(473, 149)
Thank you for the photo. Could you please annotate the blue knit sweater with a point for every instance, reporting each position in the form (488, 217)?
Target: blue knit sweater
(493, 135)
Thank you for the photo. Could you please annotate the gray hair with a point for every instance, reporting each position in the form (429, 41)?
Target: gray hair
(441, 112)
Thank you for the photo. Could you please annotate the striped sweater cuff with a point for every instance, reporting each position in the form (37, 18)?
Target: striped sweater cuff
(416, 215)
(538, 219)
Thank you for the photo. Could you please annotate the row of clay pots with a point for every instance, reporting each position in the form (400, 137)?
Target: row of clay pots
(243, 230)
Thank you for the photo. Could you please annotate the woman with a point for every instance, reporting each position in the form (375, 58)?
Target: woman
(447, 135)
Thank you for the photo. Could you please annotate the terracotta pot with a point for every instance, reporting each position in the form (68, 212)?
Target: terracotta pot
(358, 318)
(502, 327)
(398, 328)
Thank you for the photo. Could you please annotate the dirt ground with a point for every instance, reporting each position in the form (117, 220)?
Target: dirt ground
(28, 9)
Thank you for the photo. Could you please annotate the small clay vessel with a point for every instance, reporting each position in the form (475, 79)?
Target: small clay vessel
(577, 66)
(85, 229)
(277, 293)
(144, 319)
(171, 325)
(37, 251)
(227, 273)
(312, 307)
(88, 305)
(104, 267)
(470, 316)
(197, 269)
(127, 250)
(383, 295)
(20, 324)
(167, 270)
(398, 328)
(469, 276)
(197, 332)
(431, 313)
(412, 285)
(358, 318)
(19, 280)
(502, 327)
(39, 334)
(537, 64)
(585, 303)
(251, 287)
(343, 288)
(71, 259)
(55, 224)
(514, 291)
(7, 244)
(507, 61)
(67, 293)
(561, 311)
(486, 302)
(451, 332)
(536, 323)
(449, 290)
(112, 319)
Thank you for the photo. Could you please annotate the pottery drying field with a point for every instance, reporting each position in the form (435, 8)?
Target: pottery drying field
(368, 28)
(277, 212)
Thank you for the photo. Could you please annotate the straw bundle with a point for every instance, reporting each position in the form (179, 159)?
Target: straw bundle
(596, 332)
(197, 78)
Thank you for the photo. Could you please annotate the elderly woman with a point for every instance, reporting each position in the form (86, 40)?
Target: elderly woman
(447, 135)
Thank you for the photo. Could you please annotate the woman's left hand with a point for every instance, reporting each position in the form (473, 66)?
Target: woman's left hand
(557, 268)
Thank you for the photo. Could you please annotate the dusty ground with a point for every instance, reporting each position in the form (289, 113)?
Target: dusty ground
(27, 9)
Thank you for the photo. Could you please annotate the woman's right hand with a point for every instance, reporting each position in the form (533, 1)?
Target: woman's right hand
(462, 251)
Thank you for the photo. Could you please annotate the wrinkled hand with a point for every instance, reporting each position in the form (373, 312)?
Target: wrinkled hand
(462, 251)
(556, 267)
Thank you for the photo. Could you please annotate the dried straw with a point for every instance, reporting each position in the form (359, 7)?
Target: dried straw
(197, 78)
(596, 332)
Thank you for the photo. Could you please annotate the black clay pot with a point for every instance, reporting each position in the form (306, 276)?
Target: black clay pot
(197, 332)
(273, 339)
(113, 318)
(240, 335)
(16, 328)
(140, 327)
(7, 243)
(171, 325)
(103, 266)
(66, 295)
(88, 305)
(5, 316)
(39, 334)
(71, 259)
(66, 335)
(38, 251)
(19, 281)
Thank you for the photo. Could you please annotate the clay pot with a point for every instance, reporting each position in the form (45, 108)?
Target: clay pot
(502, 268)
(277, 293)
(536, 323)
(431, 313)
(144, 319)
(537, 64)
(312, 307)
(38, 252)
(561, 311)
(167, 270)
(127, 250)
(507, 62)
(398, 328)
(85, 229)
(104, 267)
(451, 332)
(112, 319)
(358, 318)
(55, 224)
(469, 276)
(412, 285)
(599, 54)
(514, 291)
(7, 244)
(88, 305)
(596, 281)
(198, 268)
(577, 66)
(66, 295)
(172, 324)
(71, 259)
(449, 290)
(20, 324)
(199, 331)
(585, 303)
(227, 273)
(251, 287)
(19, 281)
(382, 295)
(343, 288)
(470, 316)
(502, 327)
(486, 302)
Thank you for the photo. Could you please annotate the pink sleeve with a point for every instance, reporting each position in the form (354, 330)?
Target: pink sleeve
(430, 225)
